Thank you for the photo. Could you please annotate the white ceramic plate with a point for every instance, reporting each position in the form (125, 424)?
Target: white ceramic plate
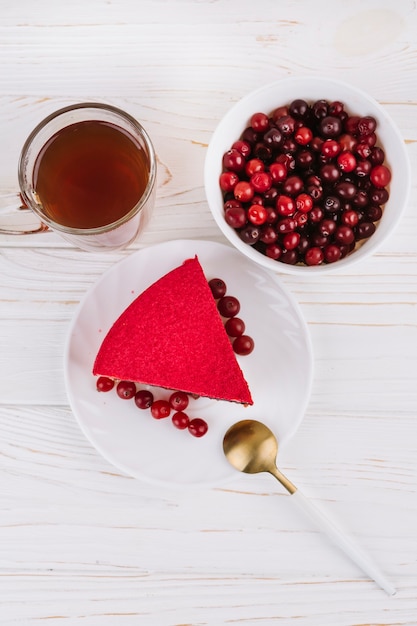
(279, 370)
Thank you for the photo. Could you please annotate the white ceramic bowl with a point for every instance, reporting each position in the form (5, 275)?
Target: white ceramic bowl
(282, 92)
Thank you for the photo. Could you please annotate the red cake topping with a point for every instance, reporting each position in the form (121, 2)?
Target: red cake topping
(172, 336)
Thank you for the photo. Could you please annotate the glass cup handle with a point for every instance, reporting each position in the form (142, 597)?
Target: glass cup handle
(18, 220)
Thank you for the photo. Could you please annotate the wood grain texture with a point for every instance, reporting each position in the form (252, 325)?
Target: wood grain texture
(81, 543)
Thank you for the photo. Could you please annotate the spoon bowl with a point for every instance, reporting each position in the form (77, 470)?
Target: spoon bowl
(251, 447)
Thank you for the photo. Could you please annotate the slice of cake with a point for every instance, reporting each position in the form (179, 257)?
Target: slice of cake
(172, 336)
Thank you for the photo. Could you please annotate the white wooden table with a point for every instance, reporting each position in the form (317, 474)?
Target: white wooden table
(82, 544)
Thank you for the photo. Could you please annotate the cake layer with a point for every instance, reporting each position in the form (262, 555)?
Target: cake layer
(172, 336)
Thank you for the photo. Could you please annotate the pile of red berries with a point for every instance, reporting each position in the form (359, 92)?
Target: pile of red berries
(144, 399)
(306, 183)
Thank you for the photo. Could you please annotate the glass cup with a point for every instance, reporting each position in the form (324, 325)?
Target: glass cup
(88, 172)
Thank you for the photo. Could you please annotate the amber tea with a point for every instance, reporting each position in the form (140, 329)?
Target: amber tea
(90, 174)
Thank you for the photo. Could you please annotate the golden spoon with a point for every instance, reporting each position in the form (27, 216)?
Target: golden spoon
(251, 447)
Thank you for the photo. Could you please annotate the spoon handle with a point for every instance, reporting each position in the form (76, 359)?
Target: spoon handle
(340, 539)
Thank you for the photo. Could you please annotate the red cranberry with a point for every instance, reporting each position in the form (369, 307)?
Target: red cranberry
(366, 125)
(298, 108)
(365, 230)
(361, 199)
(235, 217)
(363, 150)
(243, 191)
(259, 122)
(180, 420)
(332, 203)
(330, 148)
(258, 199)
(270, 196)
(344, 234)
(257, 214)
(126, 389)
(104, 383)
(332, 253)
(292, 185)
(303, 135)
(320, 109)
(326, 227)
(346, 248)
(304, 202)
(291, 240)
(330, 126)
(197, 427)
(232, 203)
(228, 181)
(178, 400)
(319, 240)
(287, 159)
(268, 235)
(272, 215)
(363, 168)
(160, 409)
(290, 257)
(254, 166)
(374, 213)
(336, 108)
(243, 147)
(314, 256)
(301, 219)
(316, 214)
(304, 244)
(262, 151)
(348, 142)
(228, 306)
(289, 145)
(380, 176)
(218, 288)
(370, 139)
(278, 172)
(234, 327)
(330, 173)
(273, 251)
(233, 160)
(285, 205)
(273, 138)
(315, 191)
(346, 161)
(279, 112)
(377, 156)
(286, 125)
(379, 196)
(346, 190)
(351, 124)
(261, 181)
(305, 160)
(350, 218)
(250, 234)
(316, 144)
(286, 225)
(250, 136)
(144, 399)
(243, 345)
